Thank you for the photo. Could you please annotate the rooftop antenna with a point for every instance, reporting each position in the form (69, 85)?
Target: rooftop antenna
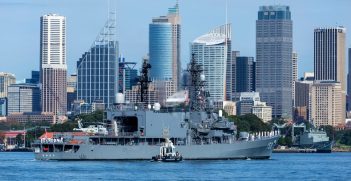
(226, 23)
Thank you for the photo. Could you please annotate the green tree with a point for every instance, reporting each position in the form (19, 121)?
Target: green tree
(96, 116)
(19, 140)
(281, 141)
(33, 134)
(249, 123)
(346, 138)
(330, 131)
(64, 127)
(288, 141)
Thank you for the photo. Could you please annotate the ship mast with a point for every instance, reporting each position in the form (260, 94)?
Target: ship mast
(197, 95)
(144, 81)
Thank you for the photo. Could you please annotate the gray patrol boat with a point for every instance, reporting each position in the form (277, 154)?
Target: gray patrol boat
(135, 132)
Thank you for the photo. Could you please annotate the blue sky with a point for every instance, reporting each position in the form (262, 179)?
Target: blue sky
(20, 19)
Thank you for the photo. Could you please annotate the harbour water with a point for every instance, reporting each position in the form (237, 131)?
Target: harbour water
(281, 166)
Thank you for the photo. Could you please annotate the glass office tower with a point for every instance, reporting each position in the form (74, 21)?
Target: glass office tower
(274, 43)
(97, 69)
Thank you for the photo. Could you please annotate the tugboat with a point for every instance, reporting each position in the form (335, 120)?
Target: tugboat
(167, 151)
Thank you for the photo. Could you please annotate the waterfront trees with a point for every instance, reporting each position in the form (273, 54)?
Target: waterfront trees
(249, 123)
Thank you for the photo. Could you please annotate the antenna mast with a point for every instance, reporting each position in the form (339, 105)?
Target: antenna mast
(197, 94)
(144, 80)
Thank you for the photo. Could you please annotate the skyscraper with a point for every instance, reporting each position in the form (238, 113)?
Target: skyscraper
(329, 54)
(97, 69)
(211, 51)
(302, 98)
(164, 46)
(53, 68)
(235, 96)
(329, 67)
(6, 79)
(294, 74)
(274, 45)
(245, 74)
(23, 98)
(349, 82)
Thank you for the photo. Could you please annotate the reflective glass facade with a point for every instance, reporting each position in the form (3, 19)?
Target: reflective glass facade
(160, 50)
(164, 46)
(3, 107)
(97, 75)
(245, 74)
(23, 98)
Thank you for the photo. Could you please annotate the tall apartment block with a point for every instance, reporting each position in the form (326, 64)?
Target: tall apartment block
(164, 46)
(6, 79)
(53, 68)
(274, 43)
(326, 103)
(97, 69)
(211, 51)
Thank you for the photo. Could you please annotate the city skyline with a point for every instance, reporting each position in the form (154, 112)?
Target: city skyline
(77, 41)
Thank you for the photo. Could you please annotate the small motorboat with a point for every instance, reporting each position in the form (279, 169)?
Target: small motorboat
(168, 153)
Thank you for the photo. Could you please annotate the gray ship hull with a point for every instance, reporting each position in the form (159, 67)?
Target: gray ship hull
(258, 149)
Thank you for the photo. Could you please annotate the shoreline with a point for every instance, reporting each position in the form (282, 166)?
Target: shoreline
(334, 150)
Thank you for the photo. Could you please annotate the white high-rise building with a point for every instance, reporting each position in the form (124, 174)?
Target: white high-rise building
(53, 68)
(211, 52)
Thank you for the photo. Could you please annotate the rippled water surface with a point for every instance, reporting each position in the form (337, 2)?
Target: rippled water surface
(290, 166)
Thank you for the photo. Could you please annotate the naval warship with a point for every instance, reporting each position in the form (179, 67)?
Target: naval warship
(312, 138)
(134, 132)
